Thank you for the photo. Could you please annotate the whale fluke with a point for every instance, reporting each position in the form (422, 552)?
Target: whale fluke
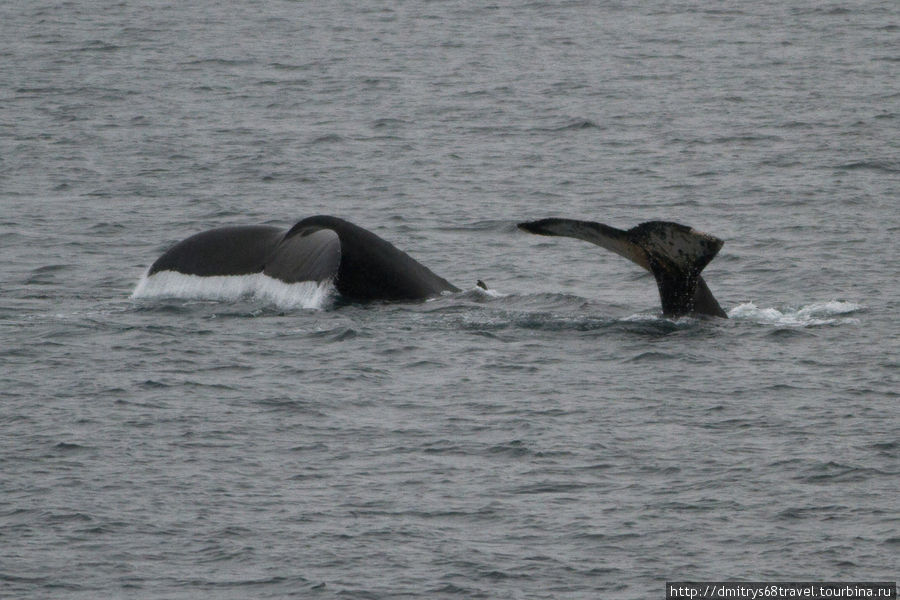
(362, 265)
(674, 253)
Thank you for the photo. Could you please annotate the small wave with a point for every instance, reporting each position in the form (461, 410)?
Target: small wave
(817, 313)
(97, 45)
(575, 124)
(168, 284)
(490, 225)
(389, 123)
(831, 471)
(872, 165)
(327, 138)
(67, 447)
(651, 357)
(46, 274)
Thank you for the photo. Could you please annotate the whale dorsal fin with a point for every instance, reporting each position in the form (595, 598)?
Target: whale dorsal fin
(674, 253)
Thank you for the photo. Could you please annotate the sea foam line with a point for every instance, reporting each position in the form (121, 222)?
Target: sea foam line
(169, 284)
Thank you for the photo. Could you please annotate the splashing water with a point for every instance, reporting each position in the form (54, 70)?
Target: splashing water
(168, 284)
(817, 313)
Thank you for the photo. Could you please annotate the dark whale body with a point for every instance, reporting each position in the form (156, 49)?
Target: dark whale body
(674, 253)
(363, 266)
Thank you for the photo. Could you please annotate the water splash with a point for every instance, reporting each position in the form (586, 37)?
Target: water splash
(168, 284)
(481, 293)
(817, 313)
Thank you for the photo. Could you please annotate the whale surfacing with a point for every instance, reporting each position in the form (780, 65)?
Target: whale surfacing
(363, 266)
(675, 254)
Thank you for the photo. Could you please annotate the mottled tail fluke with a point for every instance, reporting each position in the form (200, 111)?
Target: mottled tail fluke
(674, 253)
(677, 254)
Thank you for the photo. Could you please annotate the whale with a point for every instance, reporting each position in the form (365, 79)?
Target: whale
(675, 254)
(362, 266)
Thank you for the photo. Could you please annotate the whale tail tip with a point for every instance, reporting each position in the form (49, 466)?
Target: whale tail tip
(674, 253)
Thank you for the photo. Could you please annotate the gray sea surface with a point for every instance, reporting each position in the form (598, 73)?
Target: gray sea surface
(552, 437)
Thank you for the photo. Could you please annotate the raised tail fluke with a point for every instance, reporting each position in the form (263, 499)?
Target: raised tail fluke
(677, 254)
(614, 240)
(674, 253)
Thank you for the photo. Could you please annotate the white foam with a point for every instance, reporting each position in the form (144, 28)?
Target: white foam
(641, 318)
(489, 292)
(169, 284)
(817, 313)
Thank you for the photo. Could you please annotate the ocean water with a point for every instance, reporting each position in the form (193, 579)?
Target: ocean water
(552, 437)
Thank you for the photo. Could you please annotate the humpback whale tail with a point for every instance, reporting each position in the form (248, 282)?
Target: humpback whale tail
(362, 265)
(674, 253)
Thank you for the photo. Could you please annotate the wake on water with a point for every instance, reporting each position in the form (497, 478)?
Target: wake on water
(310, 295)
(816, 313)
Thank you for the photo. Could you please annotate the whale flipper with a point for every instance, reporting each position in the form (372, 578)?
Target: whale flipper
(674, 253)
(362, 265)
